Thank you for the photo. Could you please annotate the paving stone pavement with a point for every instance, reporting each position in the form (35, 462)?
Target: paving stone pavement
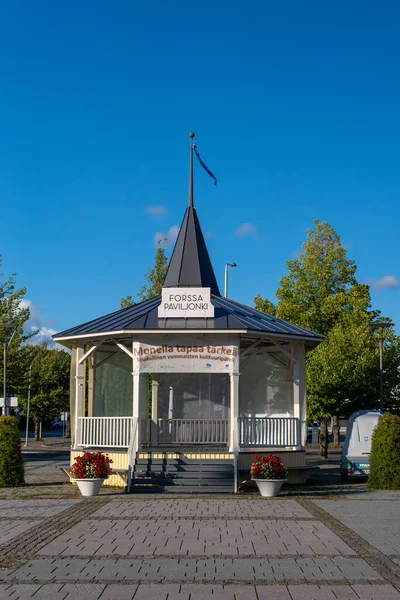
(32, 508)
(203, 508)
(196, 570)
(10, 528)
(375, 521)
(197, 538)
(163, 548)
(196, 592)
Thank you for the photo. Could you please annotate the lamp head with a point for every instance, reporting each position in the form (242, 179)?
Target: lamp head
(381, 324)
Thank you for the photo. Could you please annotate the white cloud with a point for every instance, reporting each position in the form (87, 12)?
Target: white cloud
(35, 325)
(171, 236)
(246, 229)
(156, 210)
(209, 234)
(388, 281)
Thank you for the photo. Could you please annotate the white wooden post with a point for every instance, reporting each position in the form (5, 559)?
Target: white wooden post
(234, 413)
(79, 383)
(91, 362)
(154, 412)
(136, 409)
(296, 387)
(72, 398)
(303, 394)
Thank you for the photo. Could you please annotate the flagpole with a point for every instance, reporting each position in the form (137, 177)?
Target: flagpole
(191, 136)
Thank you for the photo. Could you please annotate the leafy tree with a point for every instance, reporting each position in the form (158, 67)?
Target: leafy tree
(49, 382)
(13, 310)
(155, 277)
(264, 305)
(320, 292)
(127, 301)
(317, 288)
(343, 372)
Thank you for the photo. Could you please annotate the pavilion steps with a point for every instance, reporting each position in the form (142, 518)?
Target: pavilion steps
(183, 475)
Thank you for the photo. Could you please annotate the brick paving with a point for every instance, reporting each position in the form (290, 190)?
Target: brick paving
(163, 548)
(197, 538)
(248, 570)
(34, 509)
(375, 521)
(204, 508)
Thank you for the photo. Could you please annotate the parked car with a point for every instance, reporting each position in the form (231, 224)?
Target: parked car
(56, 423)
(357, 445)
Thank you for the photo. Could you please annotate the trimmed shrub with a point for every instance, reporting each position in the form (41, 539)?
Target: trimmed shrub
(385, 454)
(11, 460)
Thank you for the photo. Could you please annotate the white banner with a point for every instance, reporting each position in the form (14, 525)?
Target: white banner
(186, 355)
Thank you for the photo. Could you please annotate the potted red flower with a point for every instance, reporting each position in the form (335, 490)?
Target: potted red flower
(269, 473)
(89, 471)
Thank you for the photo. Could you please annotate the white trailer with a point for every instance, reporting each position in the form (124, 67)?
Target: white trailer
(357, 445)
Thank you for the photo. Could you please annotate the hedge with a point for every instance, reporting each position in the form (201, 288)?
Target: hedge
(11, 460)
(385, 454)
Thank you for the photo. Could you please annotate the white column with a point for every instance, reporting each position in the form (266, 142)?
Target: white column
(91, 365)
(136, 408)
(303, 394)
(72, 393)
(234, 413)
(154, 411)
(296, 386)
(79, 383)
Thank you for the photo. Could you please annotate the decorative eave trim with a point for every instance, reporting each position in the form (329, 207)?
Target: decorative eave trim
(140, 332)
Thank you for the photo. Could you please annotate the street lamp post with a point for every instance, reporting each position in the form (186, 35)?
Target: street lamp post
(384, 326)
(5, 347)
(29, 406)
(227, 265)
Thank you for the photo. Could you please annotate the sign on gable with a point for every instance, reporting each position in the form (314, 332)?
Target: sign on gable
(185, 302)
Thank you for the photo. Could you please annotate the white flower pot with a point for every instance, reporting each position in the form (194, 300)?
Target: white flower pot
(89, 487)
(269, 487)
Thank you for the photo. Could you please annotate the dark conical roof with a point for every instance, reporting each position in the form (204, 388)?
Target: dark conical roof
(190, 264)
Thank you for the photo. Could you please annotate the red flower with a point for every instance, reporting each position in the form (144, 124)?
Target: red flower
(91, 465)
(268, 467)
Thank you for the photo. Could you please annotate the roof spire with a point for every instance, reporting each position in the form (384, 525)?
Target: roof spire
(191, 136)
(190, 264)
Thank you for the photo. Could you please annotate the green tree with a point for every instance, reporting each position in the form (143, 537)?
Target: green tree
(127, 301)
(155, 277)
(49, 382)
(320, 292)
(264, 305)
(317, 288)
(343, 372)
(14, 310)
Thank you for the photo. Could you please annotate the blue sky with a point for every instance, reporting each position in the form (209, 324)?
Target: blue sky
(295, 106)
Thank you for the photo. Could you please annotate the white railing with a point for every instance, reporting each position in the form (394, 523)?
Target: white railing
(269, 432)
(105, 432)
(193, 431)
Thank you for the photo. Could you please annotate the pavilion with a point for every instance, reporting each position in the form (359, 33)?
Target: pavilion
(182, 389)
